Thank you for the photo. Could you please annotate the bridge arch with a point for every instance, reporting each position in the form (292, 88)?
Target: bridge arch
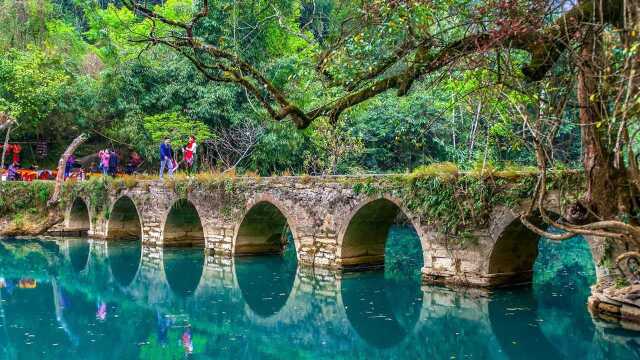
(78, 217)
(514, 249)
(363, 235)
(124, 220)
(513, 254)
(182, 226)
(264, 228)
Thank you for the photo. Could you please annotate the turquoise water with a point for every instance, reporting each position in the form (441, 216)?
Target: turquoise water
(79, 299)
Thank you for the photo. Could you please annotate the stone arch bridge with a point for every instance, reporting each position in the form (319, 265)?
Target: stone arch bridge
(335, 222)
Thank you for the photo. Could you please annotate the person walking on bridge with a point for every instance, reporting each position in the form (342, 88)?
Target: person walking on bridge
(104, 161)
(166, 157)
(189, 153)
(113, 163)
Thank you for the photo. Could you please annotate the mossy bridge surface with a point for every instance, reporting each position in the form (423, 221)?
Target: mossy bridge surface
(468, 226)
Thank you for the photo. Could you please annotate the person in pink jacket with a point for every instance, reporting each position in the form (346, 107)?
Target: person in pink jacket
(104, 161)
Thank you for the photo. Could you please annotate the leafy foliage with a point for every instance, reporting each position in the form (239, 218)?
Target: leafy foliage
(19, 197)
(73, 64)
(175, 127)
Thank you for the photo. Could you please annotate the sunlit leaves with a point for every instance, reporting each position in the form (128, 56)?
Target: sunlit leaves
(175, 126)
(31, 85)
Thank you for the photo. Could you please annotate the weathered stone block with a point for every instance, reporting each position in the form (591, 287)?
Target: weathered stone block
(610, 308)
(630, 312)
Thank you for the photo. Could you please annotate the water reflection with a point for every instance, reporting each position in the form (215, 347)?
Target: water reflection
(79, 250)
(183, 269)
(265, 282)
(48, 310)
(564, 272)
(124, 260)
(516, 324)
(373, 303)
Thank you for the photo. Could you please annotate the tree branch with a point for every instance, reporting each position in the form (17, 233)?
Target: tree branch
(55, 197)
(545, 47)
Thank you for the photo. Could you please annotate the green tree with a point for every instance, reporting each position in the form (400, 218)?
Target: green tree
(176, 127)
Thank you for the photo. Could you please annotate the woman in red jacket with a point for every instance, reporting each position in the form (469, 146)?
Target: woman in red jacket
(190, 154)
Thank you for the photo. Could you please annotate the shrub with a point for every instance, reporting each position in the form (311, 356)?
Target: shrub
(445, 170)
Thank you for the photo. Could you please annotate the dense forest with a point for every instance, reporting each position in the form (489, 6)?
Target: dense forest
(339, 87)
(69, 66)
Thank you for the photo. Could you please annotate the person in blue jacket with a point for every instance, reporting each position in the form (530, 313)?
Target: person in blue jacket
(166, 157)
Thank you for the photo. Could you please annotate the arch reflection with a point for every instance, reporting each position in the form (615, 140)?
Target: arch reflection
(514, 322)
(265, 282)
(382, 311)
(183, 269)
(79, 251)
(124, 260)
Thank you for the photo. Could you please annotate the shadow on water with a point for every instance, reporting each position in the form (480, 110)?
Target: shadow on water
(79, 250)
(183, 269)
(124, 260)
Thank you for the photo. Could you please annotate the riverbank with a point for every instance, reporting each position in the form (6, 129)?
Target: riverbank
(24, 210)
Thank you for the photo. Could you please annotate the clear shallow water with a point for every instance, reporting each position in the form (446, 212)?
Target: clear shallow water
(92, 300)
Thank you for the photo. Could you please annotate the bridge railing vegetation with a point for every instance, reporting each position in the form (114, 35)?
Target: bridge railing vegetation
(439, 194)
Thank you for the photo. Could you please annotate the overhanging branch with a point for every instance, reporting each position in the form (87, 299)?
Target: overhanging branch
(545, 47)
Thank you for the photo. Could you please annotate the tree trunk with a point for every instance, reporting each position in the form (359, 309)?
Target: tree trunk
(4, 147)
(55, 197)
(604, 191)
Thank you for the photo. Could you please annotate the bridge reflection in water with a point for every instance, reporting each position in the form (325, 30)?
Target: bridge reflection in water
(83, 297)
